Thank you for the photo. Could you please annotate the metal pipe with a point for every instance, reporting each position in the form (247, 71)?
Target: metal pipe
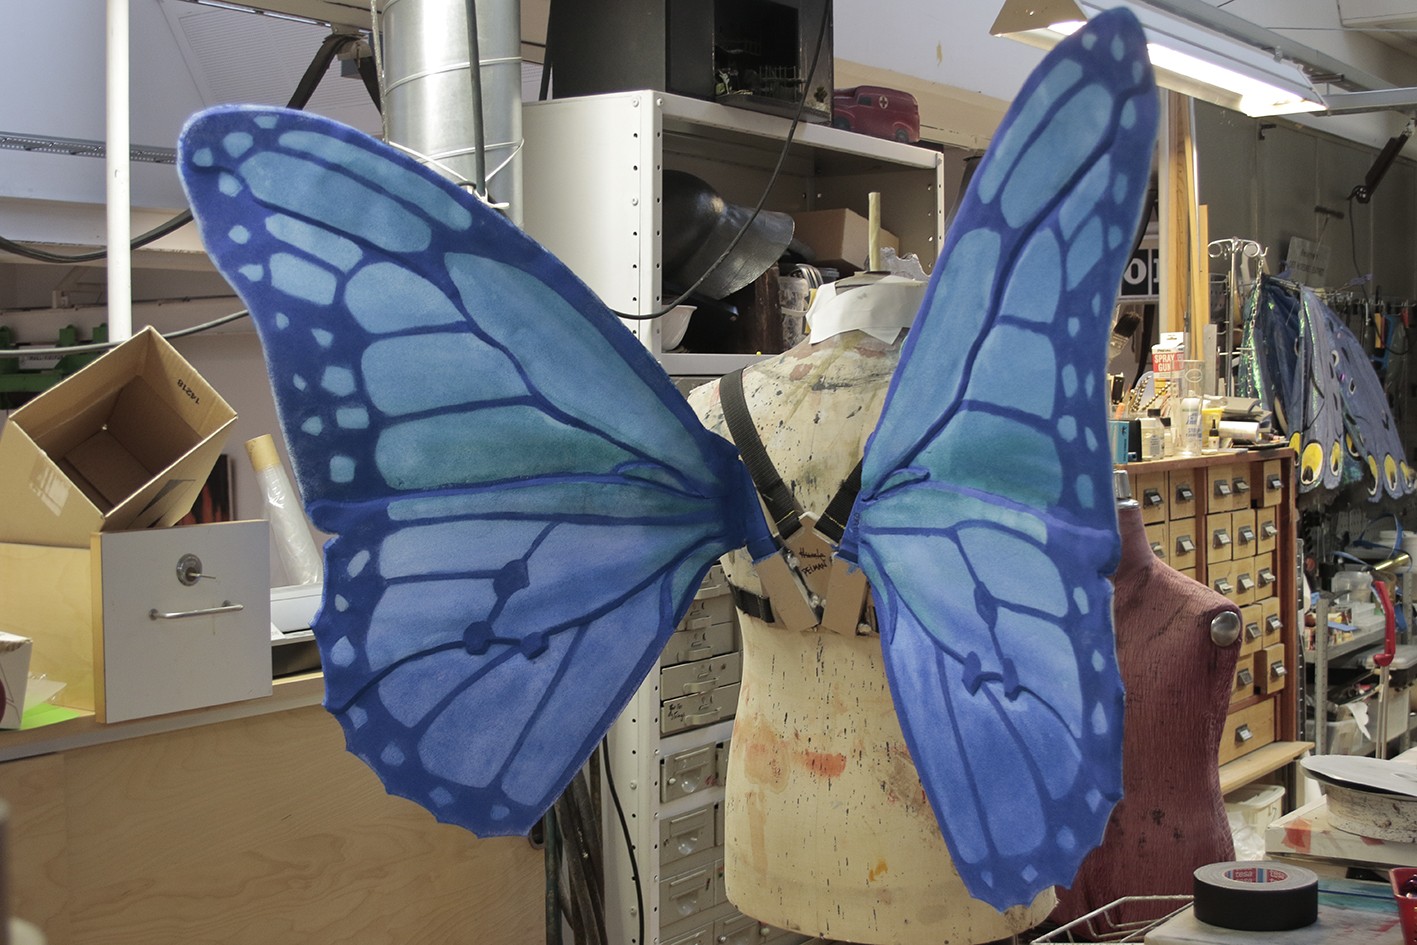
(117, 168)
(428, 105)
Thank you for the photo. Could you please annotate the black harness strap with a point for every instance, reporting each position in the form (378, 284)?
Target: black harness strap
(783, 508)
(751, 604)
(833, 521)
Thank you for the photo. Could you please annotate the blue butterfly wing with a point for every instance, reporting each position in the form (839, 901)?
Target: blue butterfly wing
(985, 522)
(1371, 438)
(515, 537)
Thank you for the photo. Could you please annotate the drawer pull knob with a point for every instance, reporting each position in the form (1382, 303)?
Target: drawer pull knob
(226, 607)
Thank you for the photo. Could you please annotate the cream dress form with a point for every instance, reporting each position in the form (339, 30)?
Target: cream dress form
(828, 829)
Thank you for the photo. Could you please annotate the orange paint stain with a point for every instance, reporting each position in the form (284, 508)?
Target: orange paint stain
(1296, 836)
(876, 871)
(824, 764)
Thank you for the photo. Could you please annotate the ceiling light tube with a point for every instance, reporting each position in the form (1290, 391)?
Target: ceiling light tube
(1187, 58)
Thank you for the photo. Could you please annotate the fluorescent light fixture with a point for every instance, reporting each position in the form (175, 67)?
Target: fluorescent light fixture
(1187, 58)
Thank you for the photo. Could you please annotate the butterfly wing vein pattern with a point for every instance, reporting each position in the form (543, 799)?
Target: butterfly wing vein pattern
(514, 540)
(997, 471)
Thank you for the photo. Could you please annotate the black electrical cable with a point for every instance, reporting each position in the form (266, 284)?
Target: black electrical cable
(474, 72)
(31, 351)
(629, 843)
(304, 89)
(1353, 247)
(772, 179)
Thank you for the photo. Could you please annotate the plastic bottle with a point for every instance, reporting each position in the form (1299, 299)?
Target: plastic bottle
(292, 536)
(1190, 426)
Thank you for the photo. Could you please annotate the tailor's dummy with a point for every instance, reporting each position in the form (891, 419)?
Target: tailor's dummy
(828, 828)
(1177, 643)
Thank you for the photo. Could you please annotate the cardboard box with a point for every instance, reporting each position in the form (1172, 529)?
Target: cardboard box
(14, 678)
(125, 443)
(838, 236)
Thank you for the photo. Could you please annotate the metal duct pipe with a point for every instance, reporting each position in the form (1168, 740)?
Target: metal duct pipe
(428, 92)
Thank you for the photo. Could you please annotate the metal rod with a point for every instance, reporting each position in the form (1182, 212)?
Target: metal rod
(117, 165)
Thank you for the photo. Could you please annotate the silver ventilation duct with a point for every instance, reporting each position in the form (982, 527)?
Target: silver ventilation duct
(428, 103)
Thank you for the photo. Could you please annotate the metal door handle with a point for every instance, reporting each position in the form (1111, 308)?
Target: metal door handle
(226, 607)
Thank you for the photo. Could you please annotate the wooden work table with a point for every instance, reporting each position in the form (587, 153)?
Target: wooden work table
(244, 823)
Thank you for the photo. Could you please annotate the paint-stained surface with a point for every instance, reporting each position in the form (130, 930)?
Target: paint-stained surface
(828, 828)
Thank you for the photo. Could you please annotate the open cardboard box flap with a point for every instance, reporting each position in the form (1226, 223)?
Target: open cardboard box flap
(127, 442)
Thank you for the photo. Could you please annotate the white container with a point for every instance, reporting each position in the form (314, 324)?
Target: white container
(1259, 804)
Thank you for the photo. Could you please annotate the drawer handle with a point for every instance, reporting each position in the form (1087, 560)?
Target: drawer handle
(226, 607)
(1221, 537)
(1223, 586)
(705, 686)
(1252, 631)
(1222, 488)
(1184, 494)
(1246, 583)
(1243, 733)
(1273, 483)
(1266, 576)
(1241, 486)
(1268, 530)
(1277, 668)
(700, 645)
(1246, 677)
(1184, 545)
(1152, 497)
(703, 718)
(1273, 623)
(1247, 534)
(1158, 549)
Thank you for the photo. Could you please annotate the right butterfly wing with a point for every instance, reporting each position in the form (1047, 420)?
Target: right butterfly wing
(985, 520)
(524, 505)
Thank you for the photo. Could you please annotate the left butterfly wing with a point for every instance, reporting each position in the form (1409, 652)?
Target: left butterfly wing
(985, 520)
(1370, 434)
(524, 505)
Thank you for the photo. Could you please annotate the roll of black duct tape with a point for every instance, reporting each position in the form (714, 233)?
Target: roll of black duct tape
(1258, 896)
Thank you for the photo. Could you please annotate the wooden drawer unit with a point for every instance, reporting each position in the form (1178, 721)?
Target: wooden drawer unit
(1149, 489)
(1158, 536)
(1265, 577)
(1266, 529)
(1242, 487)
(1219, 537)
(1221, 578)
(1246, 730)
(1242, 530)
(1185, 553)
(1244, 684)
(1251, 631)
(1183, 493)
(1219, 490)
(1270, 671)
(1272, 620)
(1242, 571)
(1271, 487)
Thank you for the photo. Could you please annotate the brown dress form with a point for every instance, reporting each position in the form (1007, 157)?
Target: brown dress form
(1171, 818)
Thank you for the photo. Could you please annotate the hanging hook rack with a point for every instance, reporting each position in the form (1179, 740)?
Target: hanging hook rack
(1236, 252)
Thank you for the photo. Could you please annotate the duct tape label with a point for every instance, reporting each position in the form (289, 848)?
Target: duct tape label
(1257, 896)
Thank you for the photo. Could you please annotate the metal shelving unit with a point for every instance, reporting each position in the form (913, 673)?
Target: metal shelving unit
(668, 751)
